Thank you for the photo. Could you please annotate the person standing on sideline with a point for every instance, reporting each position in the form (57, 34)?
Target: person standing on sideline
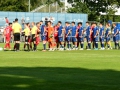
(7, 21)
(23, 22)
(17, 30)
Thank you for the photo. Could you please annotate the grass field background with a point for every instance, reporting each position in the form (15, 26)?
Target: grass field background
(68, 70)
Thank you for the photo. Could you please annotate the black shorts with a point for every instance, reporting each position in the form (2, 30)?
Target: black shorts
(27, 39)
(23, 34)
(33, 38)
(16, 36)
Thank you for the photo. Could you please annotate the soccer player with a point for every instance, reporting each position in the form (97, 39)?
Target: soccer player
(77, 35)
(81, 38)
(107, 36)
(17, 30)
(116, 36)
(95, 35)
(30, 40)
(68, 35)
(44, 39)
(7, 35)
(38, 34)
(56, 36)
(50, 36)
(88, 35)
(34, 35)
(74, 39)
(7, 21)
(27, 35)
(61, 35)
(91, 35)
(101, 35)
(43, 33)
(42, 26)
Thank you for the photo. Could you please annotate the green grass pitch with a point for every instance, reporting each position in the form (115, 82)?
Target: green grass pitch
(67, 70)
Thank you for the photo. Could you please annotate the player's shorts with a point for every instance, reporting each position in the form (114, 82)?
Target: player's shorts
(44, 38)
(27, 39)
(56, 38)
(68, 39)
(88, 39)
(16, 36)
(37, 40)
(91, 38)
(33, 38)
(107, 39)
(81, 39)
(23, 34)
(119, 36)
(116, 38)
(101, 39)
(74, 39)
(96, 39)
(61, 39)
(50, 39)
(8, 38)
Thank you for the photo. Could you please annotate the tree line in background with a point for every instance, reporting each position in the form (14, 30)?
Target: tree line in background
(94, 8)
(91, 7)
(22, 5)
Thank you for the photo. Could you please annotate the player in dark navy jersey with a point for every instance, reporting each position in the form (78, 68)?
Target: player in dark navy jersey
(95, 35)
(101, 35)
(116, 36)
(88, 35)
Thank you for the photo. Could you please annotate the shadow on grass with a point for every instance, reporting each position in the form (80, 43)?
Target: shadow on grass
(55, 78)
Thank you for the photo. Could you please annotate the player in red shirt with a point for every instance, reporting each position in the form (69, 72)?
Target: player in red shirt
(77, 35)
(91, 35)
(38, 34)
(7, 35)
(56, 36)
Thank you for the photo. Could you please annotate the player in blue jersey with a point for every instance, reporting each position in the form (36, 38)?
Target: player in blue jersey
(95, 35)
(68, 35)
(88, 35)
(44, 38)
(61, 35)
(74, 39)
(43, 33)
(42, 26)
(107, 36)
(116, 36)
(101, 35)
(81, 33)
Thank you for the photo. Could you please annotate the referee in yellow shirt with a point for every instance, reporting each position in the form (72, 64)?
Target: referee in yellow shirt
(34, 35)
(27, 35)
(17, 30)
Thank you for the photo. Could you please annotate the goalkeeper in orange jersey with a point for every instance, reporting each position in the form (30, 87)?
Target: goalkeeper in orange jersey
(50, 36)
